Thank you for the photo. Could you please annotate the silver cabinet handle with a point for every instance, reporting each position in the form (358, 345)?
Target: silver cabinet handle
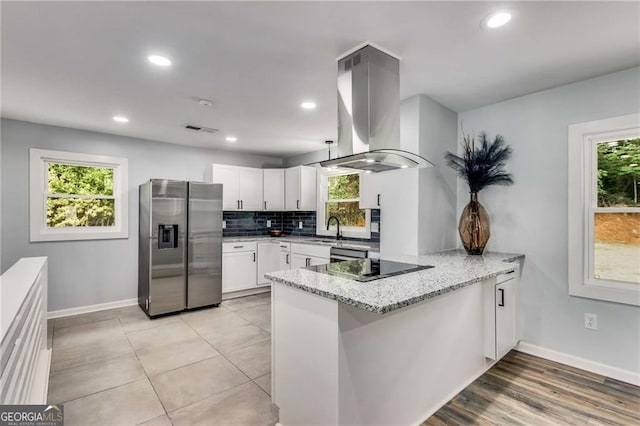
(238, 246)
(241, 204)
(378, 200)
(287, 259)
(254, 256)
(308, 261)
(238, 204)
(298, 204)
(265, 205)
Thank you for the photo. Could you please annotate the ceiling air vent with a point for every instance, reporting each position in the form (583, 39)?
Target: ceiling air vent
(201, 129)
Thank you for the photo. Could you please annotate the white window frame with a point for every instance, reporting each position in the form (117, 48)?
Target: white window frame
(38, 193)
(583, 203)
(321, 220)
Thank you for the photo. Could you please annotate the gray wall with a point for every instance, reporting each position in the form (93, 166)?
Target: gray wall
(531, 216)
(90, 272)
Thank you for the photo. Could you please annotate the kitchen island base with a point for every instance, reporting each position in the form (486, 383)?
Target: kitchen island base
(336, 364)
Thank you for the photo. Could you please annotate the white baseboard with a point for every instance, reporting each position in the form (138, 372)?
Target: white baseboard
(247, 292)
(581, 363)
(91, 308)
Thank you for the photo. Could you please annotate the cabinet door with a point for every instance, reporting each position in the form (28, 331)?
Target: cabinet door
(298, 261)
(273, 183)
(268, 260)
(308, 200)
(228, 176)
(238, 271)
(370, 190)
(319, 260)
(250, 183)
(506, 321)
(285, 261)
(292, 188)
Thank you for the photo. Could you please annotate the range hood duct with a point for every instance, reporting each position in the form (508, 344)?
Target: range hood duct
(369, 114)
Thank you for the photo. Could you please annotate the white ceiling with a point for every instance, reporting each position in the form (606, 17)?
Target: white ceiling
(78, 64)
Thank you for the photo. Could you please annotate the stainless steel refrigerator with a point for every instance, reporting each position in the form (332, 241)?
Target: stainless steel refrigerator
(179, 246)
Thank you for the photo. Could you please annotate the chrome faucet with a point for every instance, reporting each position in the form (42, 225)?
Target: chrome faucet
(338, 236)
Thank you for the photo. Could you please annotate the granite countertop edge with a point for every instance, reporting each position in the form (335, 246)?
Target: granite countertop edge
(510, 266)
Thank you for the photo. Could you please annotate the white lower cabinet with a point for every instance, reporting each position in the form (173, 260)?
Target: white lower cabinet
(285, 256)
(268, 260)
(303, 255)
(239, 266)
(501, 315)
(506, 321)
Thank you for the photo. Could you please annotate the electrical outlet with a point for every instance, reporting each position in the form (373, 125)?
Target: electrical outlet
(591, 321)
(375, 227)
(268, 224)
(224, 224)
(300, 225)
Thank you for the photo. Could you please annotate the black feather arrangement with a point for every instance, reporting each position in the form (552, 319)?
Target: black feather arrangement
(482, 166)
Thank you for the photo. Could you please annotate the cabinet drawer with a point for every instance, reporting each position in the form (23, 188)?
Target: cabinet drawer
(505, 277)
(285, 247)
(239, 246)
(311, 250)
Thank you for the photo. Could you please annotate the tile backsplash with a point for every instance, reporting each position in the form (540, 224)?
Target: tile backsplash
(249, 224)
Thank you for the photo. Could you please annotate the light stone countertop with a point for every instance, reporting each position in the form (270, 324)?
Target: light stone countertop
(453, 269)
(320, 241)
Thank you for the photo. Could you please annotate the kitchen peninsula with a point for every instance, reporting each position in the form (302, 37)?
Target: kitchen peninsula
(393, 350)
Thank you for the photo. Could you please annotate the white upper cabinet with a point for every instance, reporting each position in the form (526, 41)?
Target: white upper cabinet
(273, 189)
(250, 189)
(370, 190)
(242, 187)
(300, 188)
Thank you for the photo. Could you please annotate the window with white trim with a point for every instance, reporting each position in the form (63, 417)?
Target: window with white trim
(339, 196)
(604, 209)
(77, 196)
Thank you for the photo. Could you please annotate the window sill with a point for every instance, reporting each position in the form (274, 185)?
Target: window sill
(606, 293)
(82, 234)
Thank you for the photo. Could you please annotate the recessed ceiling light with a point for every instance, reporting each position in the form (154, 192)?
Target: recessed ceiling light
(404, 166)
(120, 119)
(370, 160)
(308, 105)
(158, 60)
(496, 20)
(231, 139)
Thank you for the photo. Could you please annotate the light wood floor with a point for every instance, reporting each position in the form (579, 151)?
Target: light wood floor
(524, 389)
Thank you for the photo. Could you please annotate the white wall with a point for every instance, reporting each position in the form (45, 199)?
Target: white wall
(531, 216)
(418, 205)
(84, 273)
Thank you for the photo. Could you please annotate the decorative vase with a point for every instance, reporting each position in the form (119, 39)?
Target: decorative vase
(474, 226)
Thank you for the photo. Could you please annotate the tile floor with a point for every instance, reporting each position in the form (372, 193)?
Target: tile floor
(207, 367)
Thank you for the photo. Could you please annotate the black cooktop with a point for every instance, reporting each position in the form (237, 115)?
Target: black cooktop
(364, 270)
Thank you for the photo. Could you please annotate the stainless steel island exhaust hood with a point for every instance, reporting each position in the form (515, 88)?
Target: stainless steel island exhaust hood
(369, 114)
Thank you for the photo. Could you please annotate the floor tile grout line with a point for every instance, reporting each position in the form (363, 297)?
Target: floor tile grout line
(155, 392)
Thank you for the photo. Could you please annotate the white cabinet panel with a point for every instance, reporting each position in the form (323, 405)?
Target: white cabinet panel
(228, 177)
(250, 183)
(506, 322)
(370, 190)
(242, 187)
(300, 188)
(301, 260)
(268, 260)
(239, 270)
(292, 188)
(501, 311)
(285, 261)
(298, 261)
(273, 184)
